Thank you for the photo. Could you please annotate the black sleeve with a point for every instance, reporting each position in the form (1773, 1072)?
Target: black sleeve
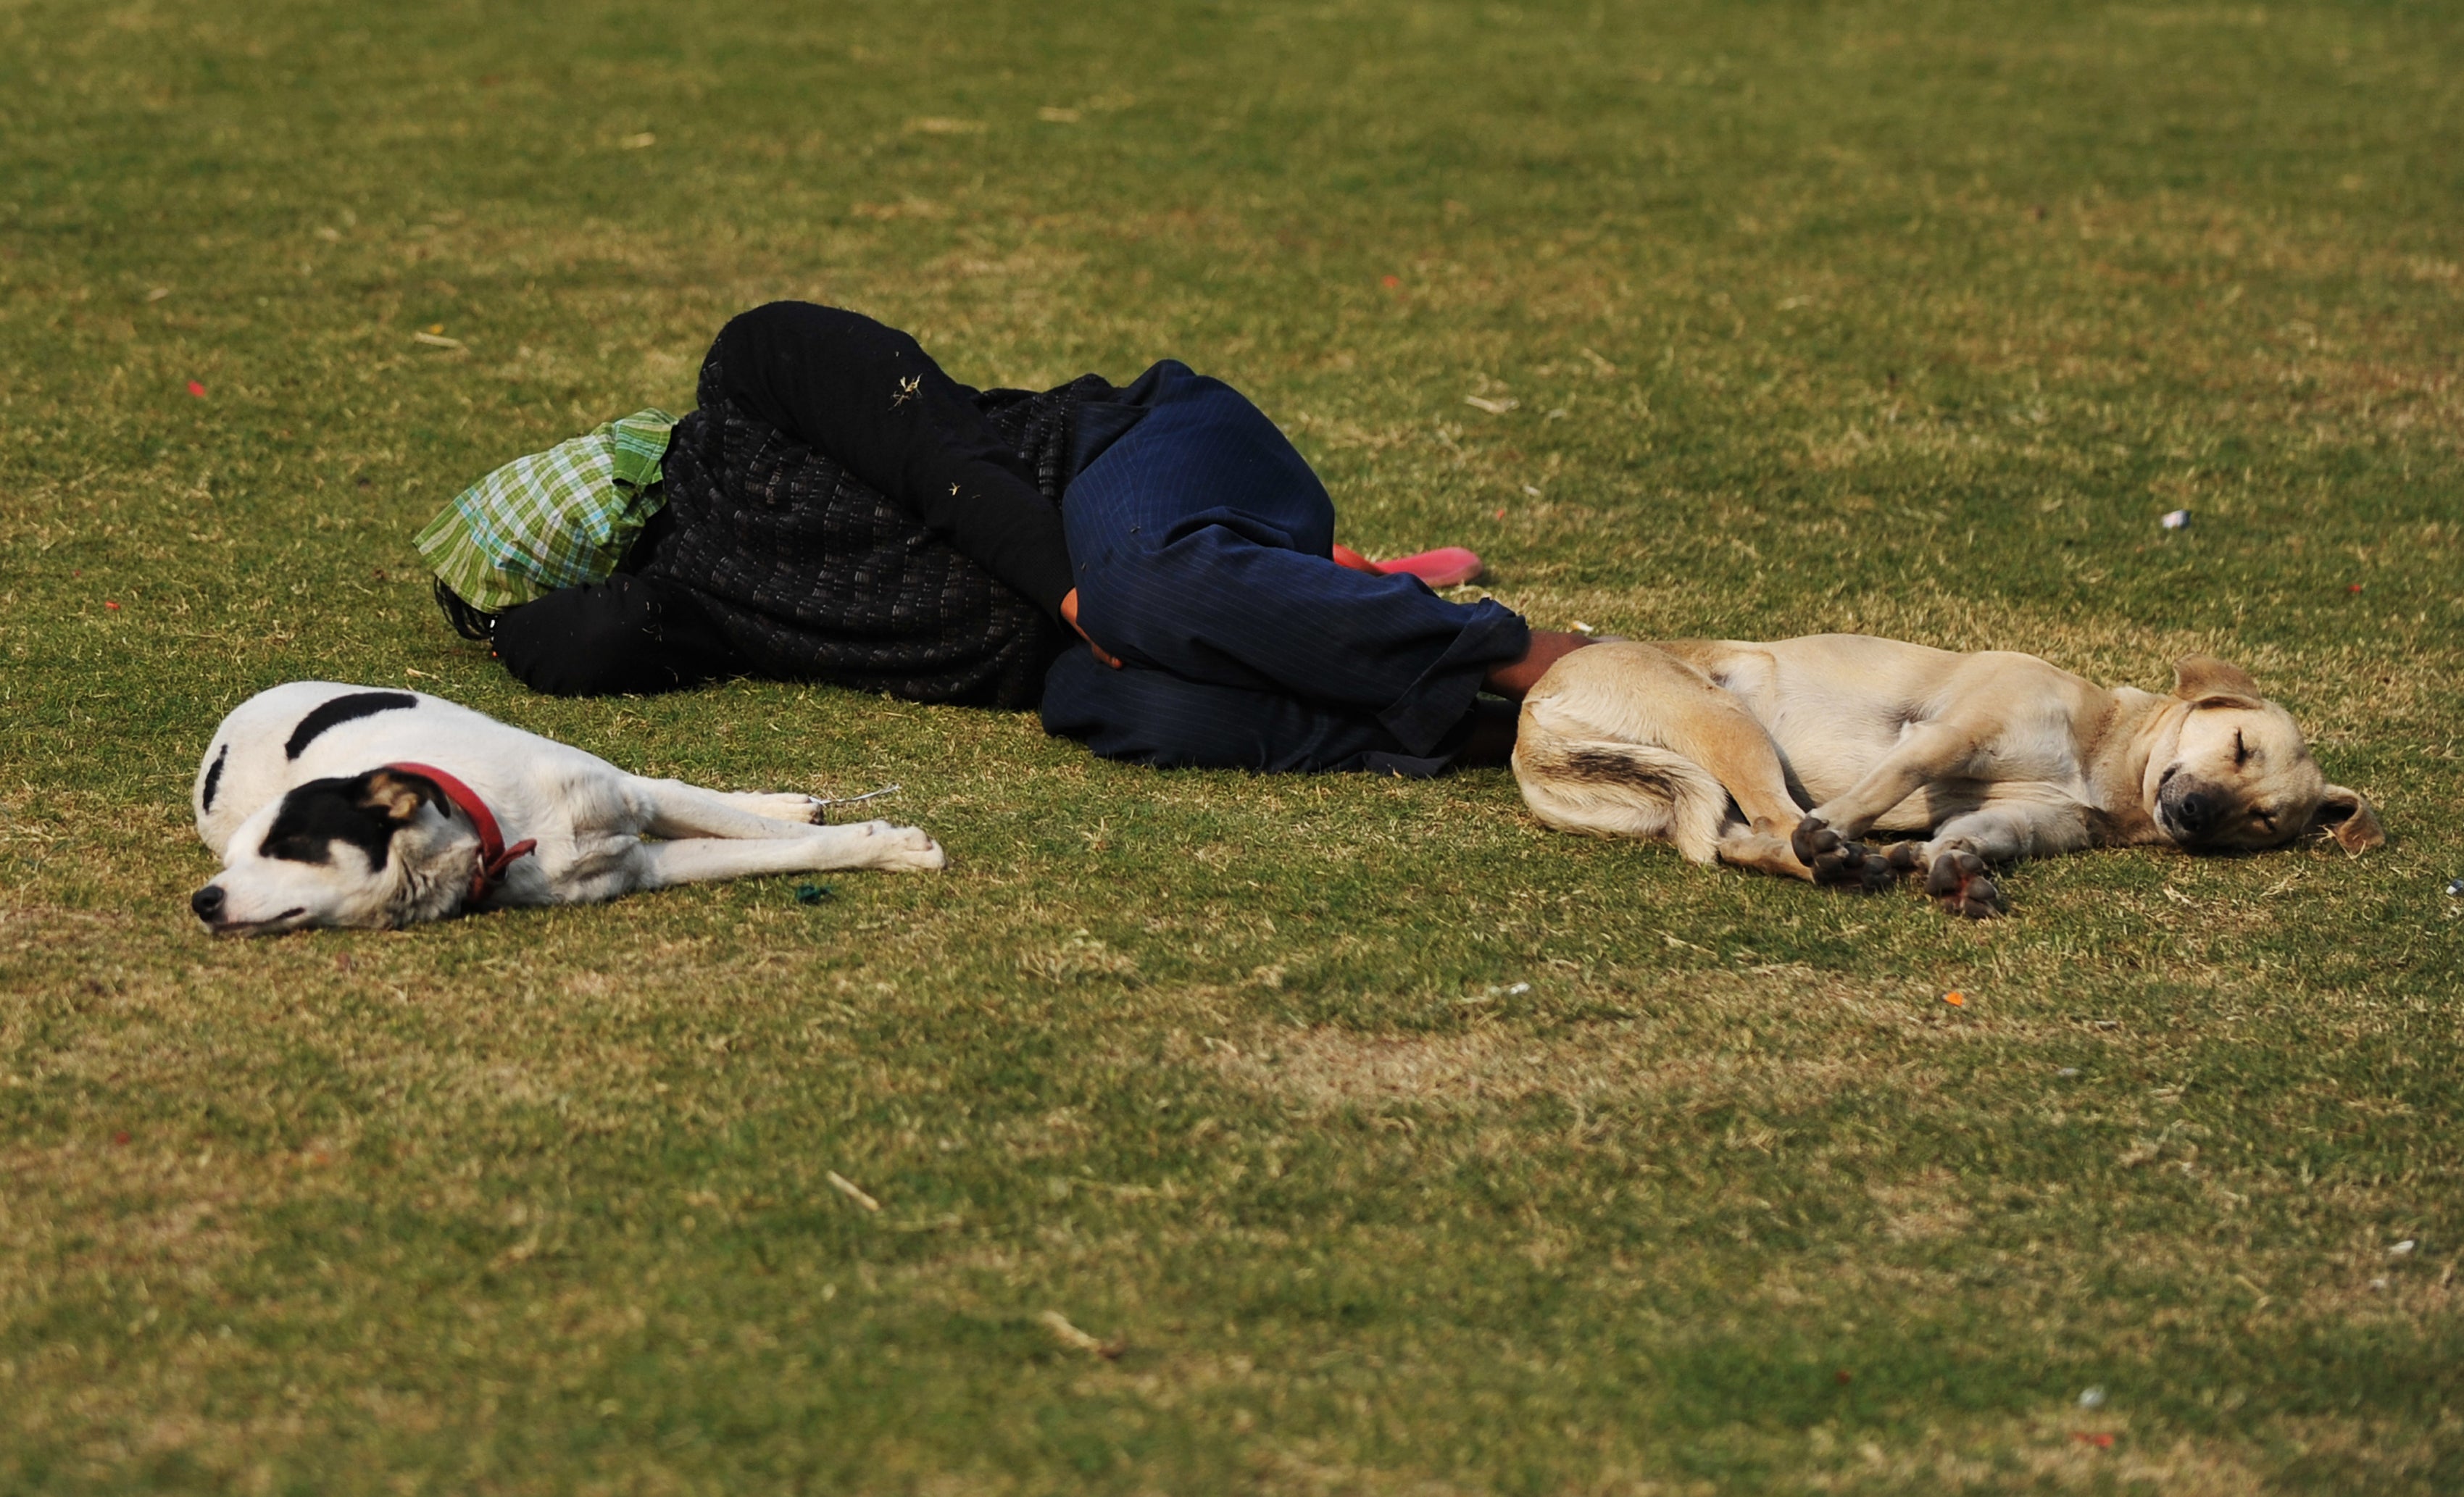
(625, 635)
(870, 396)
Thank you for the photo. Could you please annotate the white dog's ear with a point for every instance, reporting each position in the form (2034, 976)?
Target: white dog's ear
(2205, 679)
(2346, 816)
(400, 795)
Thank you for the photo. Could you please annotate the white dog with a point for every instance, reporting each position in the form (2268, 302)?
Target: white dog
(350, 806)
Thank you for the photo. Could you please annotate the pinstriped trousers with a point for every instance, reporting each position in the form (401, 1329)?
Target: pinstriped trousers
(1201, 545)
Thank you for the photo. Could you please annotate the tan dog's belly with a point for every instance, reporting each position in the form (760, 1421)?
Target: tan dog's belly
(1837, 704)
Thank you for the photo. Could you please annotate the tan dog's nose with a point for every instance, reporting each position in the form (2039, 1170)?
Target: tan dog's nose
(2191, 812)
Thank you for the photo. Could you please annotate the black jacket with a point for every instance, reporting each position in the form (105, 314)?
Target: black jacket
(844, 511)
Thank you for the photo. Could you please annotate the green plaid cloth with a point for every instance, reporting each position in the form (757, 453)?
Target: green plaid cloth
(553, 520)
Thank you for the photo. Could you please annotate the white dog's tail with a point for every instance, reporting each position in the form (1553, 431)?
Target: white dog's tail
(1612, 790)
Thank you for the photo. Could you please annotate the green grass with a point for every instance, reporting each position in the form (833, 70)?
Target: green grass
(1905, 318)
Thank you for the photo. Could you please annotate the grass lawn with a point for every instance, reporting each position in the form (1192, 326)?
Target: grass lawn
(1393, 1143)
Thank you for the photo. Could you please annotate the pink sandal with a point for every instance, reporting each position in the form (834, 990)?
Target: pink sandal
(1448, 566)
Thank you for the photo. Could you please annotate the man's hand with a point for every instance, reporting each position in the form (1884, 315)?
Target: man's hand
(1069, 616)
(1547, 647)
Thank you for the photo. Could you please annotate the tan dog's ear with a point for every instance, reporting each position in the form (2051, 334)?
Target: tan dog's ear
(2204, 677)
(399, 795)
(2346, 815)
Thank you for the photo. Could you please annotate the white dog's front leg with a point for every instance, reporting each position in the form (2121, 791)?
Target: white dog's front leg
(803, 810)
(696, 859)
(675, 809)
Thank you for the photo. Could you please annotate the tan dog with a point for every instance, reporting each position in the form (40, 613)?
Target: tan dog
(1719, 747)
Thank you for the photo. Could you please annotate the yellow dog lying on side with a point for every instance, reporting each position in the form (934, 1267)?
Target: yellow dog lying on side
(1719, 747)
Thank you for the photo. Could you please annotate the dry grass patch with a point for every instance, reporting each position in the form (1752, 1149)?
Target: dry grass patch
(1783, 1035)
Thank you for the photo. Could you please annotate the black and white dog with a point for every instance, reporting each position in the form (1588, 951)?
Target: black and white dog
(334, 804)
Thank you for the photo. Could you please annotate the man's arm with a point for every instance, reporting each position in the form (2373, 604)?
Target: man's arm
(868, 395)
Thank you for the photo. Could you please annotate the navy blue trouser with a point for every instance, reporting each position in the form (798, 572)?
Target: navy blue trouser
(1201, 543)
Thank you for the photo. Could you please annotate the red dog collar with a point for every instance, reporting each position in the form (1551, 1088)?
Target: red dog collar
(495, 857)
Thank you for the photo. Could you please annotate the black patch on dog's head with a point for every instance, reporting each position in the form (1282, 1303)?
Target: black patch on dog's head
(361, 810)
(214, 777)
(340, 710)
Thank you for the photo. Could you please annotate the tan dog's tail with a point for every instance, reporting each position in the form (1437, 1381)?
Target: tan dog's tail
(1611, 789)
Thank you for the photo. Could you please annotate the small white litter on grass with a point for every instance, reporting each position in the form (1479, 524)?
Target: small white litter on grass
(1495, 408)
(825, 803)
(2176, 520)
(2092, 1399)
(852, 1190)
(1078, 1340)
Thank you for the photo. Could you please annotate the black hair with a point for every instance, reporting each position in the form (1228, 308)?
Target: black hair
(469, 621)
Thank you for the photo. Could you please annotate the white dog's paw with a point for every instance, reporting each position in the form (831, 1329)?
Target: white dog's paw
(801, 809)
(904, 847)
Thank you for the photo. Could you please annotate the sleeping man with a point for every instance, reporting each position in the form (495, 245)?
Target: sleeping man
(1152, 564)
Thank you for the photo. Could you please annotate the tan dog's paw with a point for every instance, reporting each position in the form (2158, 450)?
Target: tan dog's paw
(1959, 883)
(1837, 861)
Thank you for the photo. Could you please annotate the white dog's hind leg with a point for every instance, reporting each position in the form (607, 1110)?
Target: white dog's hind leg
(875, 844)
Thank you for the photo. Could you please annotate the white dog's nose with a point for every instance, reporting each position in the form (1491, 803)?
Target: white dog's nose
(208, 902)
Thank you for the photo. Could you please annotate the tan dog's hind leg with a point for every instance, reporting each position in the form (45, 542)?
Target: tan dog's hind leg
(1624, 740)
(1609, 788)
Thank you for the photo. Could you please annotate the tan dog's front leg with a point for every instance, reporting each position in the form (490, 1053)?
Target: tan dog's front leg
(1955, 859)
(1827, 837)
